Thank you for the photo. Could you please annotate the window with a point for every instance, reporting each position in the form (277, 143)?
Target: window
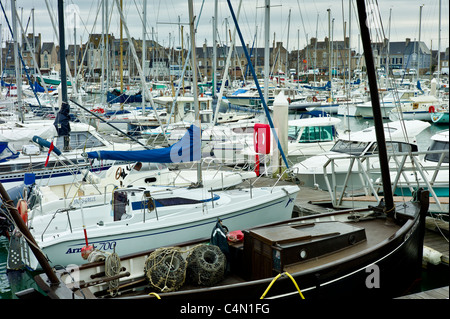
(437, 146)
(349, 147)
(293, 132)
(393, 147)
(187, 107)
(311, 134)
(317, 134)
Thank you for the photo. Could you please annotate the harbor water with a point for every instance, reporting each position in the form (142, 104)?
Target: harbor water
(12, 282)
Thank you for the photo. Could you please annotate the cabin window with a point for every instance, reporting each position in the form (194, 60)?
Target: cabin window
(293, 132)
(154, 166)
(120, 205)
(394, 147)
(205, 118)
(317, 134)
(349, 147)
(437, 146)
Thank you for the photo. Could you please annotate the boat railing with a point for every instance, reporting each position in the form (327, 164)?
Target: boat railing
(369, 174)
(59, 211)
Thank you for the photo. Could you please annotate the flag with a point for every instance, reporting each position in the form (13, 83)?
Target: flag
(48, 155)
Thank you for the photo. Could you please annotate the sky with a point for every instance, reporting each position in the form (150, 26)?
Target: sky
(292, 22)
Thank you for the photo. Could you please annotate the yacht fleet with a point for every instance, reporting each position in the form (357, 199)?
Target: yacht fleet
(115, 183)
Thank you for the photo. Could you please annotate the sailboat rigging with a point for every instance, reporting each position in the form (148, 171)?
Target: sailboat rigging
(326, 256)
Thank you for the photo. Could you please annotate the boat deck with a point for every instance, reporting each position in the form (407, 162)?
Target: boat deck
(438, 293)
(376, 231)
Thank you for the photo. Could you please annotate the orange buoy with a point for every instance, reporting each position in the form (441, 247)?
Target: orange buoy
(22, 207)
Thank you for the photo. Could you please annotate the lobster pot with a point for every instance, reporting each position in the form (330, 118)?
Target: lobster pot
(165, 269)
(206, 265)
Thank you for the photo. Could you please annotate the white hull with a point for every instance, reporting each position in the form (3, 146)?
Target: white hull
(419, 115)
(238, 209)
(367, 112)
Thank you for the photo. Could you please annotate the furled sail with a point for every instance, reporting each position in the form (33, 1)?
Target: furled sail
(187, 149)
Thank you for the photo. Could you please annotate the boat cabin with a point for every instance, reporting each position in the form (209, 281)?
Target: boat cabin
(440, 142)
(312, 130)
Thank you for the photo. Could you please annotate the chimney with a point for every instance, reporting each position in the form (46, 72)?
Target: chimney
(408, 40)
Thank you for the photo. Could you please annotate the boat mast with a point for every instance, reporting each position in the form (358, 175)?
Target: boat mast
(287, 46)
(439, 44)
(266, 50)
(214, 78)
(388, 45)
(17, 64)
(102, 78)
(144, 49)
(62, 50)
(62, 118)
(418, 49)
(121, 52)
(194, 82)
(329, 54)
(378, 119)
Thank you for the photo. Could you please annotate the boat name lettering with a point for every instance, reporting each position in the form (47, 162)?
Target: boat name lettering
(102, 246)
(84, 200)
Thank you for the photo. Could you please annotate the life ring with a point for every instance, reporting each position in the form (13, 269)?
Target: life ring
(118, 172)
(22, 207)
(289, 100)
(431, 109)
(314, 99)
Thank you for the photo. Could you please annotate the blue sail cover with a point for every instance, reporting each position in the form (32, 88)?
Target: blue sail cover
(326, 87)
(41, 89)
(6, 153)
(187, 149)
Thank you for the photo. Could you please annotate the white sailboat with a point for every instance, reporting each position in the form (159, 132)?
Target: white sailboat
(134, 218)
(151, 217)
(63, 166)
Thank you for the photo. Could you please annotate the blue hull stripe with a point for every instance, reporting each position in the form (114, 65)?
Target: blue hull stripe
(181, 228)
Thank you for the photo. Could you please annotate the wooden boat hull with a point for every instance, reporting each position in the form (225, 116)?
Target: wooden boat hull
(385, 269)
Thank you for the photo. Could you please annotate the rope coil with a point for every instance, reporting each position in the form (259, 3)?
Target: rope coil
(112, 268)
